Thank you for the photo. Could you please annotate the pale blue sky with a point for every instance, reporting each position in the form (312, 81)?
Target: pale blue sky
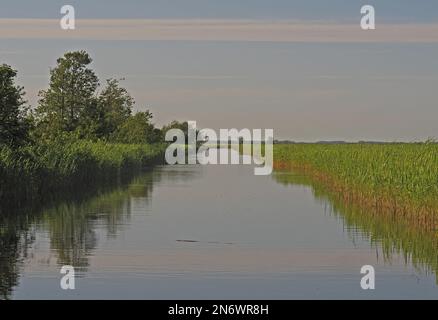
(389, 10)
(305, 91)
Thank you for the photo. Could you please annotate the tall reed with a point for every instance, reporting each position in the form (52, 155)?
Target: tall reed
(33, 172)
(401, 178)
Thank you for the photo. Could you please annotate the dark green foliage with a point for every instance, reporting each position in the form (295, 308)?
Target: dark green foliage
(77, 134)
(70, 95)
(14, 126)
(104, 115)
(72, 104)
(117, 105)
(138, 129)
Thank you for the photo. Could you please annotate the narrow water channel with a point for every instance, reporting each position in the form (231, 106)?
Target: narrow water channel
(183, 232)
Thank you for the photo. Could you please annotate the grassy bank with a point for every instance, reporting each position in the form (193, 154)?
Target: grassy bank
(34, 173)
(396, 179)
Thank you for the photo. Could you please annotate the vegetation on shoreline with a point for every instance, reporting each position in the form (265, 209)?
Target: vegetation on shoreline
(76, 136)
(400, 179)
(35, 172)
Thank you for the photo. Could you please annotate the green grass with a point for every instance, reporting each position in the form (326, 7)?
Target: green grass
(402, 178)
(36, 172)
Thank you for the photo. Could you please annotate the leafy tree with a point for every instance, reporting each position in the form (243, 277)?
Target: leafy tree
(14, 124)
(70, 94)
(138, 129)
(104, 115)
(91, 122)
(116, 104)
(71, 109)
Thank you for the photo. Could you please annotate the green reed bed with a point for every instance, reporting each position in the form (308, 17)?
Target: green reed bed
(35, 172)
(398, 178)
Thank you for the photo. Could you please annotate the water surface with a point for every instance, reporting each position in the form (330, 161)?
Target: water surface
(219, 232)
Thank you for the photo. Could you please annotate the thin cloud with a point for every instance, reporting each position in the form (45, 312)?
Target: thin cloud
(187, 76)
(217, 30)
(376, 77)
(331, 77)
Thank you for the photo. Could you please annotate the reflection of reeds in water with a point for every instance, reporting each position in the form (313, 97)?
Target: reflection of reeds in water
(417, 244)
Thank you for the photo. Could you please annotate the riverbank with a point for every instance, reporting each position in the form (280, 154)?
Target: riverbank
(396, 179)
(33, 173)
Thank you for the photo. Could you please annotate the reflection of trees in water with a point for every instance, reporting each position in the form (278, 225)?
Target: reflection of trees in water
(15, 239)
(382, 229)
(72, 227)
(72, 222)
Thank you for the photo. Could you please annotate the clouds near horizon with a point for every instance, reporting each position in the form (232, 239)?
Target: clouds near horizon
(218, 30)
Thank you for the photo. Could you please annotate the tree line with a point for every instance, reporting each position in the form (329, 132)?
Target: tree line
(72, 107)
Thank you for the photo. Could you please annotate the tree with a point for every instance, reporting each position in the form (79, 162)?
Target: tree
(14, 124)
(105, 114)
(91, 123)
(116, 104)
(69, 96)
(138, 129)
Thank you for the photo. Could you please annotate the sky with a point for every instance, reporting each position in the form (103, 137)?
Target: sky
(302, 68)
(339, 10)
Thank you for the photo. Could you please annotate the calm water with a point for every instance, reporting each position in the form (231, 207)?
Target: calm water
(183, 232)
